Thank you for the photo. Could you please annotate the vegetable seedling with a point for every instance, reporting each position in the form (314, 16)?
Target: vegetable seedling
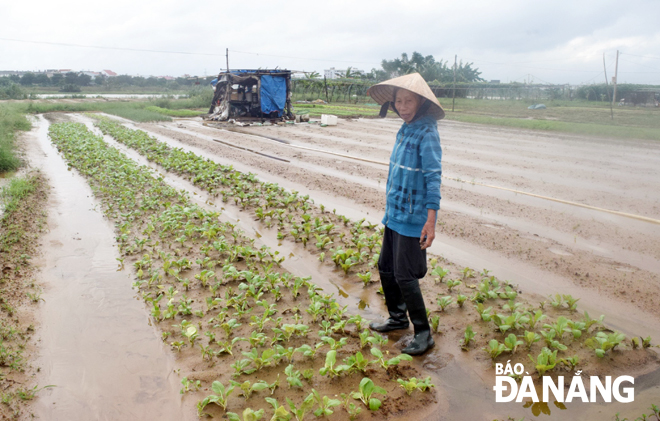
(367, 390)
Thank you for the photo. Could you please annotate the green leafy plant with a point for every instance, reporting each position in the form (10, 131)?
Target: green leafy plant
(279, 412)
(444, 302)
(531, 338)
(494, 348)
(367, 390)
(603, 342)
(380, 359)
(220, 397)
(325, 404)
(545, 361)
(511, 343)
(293, 376)
(248, 415)
(413, 384)
(248, 388)
(467, 337)
(300, 411)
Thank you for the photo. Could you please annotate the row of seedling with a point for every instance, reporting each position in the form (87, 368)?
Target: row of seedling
(271, 204)
(236, 288)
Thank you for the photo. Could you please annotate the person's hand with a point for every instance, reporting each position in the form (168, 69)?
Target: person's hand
(428, 233)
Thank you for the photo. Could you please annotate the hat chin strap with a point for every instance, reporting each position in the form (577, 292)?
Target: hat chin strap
(384, 108)
(422, 110)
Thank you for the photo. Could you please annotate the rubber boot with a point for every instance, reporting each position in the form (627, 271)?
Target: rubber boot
(396, 307)
(423, 339)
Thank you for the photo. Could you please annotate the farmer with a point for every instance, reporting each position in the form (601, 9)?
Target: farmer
(413, 199)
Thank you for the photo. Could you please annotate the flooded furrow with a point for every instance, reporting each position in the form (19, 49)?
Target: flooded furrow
(96, 343)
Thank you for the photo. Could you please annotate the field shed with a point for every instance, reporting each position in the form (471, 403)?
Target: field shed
(648, 97)
(252, 95)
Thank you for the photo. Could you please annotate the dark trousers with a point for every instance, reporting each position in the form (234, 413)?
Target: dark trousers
(402, 257)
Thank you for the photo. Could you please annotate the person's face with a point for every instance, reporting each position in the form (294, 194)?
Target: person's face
(407, 104)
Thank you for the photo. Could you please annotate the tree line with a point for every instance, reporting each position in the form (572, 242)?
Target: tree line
(78, 79)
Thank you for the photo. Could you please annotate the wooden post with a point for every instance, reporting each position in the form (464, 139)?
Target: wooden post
(453, 95)
(607, 88)
(227, 55)
(616, 74)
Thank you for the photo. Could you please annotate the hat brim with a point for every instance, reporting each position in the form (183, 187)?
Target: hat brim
(384, 92)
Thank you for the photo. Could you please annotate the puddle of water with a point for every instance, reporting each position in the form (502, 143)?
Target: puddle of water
(96, 344)
(559, 251)
(497, 227)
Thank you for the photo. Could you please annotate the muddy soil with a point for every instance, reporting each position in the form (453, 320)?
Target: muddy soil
(611, 262)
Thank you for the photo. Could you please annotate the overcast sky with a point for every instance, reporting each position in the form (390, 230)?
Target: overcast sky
(552, 41)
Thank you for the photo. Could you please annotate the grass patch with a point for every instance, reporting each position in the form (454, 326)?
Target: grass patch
(173, 113)
(622, 132)
(343, 110)
(22, 222)
(11, 121)
(12, 194)
(578, 117)
(131, 110)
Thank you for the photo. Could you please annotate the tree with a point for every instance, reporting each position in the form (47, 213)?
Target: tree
(27, 79)
(430, 69)
(42, 79)
(83, 80)
(57, 79)
(70, 78)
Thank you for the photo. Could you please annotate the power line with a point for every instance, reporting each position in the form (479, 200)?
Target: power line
(109, 48)
(304, 58)
(637, 55)
(64, 44)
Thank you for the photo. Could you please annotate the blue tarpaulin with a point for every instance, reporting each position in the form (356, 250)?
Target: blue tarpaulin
(273, 94)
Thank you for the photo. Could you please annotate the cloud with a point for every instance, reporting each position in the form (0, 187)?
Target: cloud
(558, 41)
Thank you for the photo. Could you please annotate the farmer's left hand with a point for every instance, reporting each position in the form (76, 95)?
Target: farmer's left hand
(429, 232)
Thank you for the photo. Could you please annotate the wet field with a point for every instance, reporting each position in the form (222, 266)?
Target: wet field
(610, 261)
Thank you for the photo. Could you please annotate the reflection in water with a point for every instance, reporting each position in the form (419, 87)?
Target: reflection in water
(539, 408)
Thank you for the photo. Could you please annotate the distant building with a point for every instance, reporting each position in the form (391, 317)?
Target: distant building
(109, 73)
(333, 73)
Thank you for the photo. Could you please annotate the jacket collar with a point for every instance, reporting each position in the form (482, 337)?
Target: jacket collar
(421, 121)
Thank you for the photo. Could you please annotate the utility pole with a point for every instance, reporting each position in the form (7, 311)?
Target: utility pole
(325, 83)
(616, 74)
(227, 55)
(607, 88)
(453, 95)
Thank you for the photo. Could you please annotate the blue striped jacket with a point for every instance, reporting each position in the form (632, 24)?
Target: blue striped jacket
(413, 181)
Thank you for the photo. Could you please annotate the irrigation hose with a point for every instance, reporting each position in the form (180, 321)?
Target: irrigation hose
(566, 202)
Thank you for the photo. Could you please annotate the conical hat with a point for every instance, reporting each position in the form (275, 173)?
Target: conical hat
(414, 82)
